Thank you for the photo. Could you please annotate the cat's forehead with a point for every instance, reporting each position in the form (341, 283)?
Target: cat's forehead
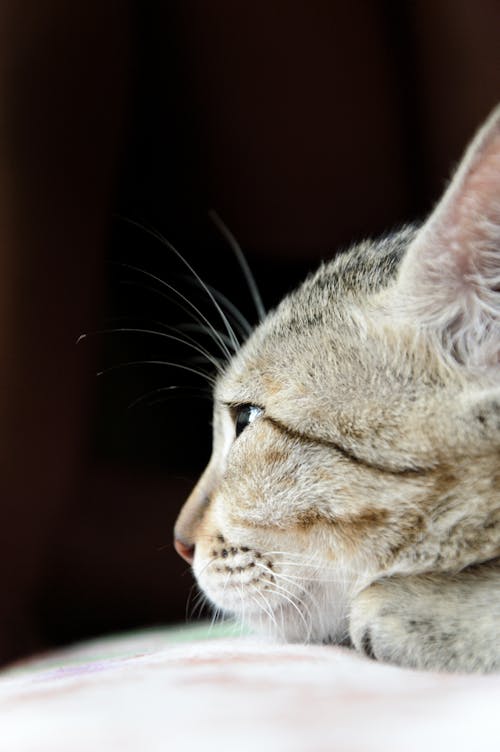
(295, 359)
(335, 363)
(302, 347)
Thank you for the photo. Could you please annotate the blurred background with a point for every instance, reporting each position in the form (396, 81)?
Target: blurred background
(304, 125)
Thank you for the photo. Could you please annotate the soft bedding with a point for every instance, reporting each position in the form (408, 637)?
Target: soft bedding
(207, 690)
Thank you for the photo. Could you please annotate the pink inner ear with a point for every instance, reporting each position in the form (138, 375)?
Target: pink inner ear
(451, 275)
(471, 218)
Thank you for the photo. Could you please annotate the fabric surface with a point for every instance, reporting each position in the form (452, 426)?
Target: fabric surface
(202, 689)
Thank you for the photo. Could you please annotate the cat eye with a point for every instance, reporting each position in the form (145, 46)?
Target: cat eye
(244, 415)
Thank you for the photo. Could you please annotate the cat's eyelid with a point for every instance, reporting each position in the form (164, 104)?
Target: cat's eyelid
(237, 405)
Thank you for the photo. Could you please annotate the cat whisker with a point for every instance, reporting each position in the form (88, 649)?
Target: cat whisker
(245, 328)
(291, 595)
(282, 592)
(315, 568)
(201, 599)
(273, 573)
(137, 330)
(214, 619)
(192, 589)
(320, 577)
(199, 604)
(180, 330)
(254, 600)
(312, 568)
(243, 610)
(132, 363)
(202, 604)
(218, 611)
(293, 559)
(211, 331)
(236, 248)
(209, 563)
(306, 558)
(144, 397)
(203, 330)
(200, 317)
(158, 236)
(266, 607)
(238, 319)
(289, 580)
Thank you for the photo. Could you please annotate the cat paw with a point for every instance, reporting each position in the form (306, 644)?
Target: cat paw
(435, 622)
(396, 621)
(376, 629)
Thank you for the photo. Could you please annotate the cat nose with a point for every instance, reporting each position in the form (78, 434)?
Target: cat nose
(185, 550)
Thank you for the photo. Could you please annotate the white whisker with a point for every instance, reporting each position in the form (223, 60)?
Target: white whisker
(290, 598)
(245, 327)
(201, 316)
(137, 330)
(203, 330)
(266, 607)
(143, 397)
(158, 236)
(235, 247)
(131, 363)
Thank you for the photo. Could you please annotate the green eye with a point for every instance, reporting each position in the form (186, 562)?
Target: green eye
(244, 415)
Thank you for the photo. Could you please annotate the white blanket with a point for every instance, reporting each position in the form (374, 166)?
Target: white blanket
(190, 690)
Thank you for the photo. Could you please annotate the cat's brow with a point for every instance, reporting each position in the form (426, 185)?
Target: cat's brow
(347, 453)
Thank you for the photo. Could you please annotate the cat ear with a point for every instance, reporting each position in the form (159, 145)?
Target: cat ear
(450, 276)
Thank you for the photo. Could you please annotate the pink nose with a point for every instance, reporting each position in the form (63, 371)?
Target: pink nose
(184, 550)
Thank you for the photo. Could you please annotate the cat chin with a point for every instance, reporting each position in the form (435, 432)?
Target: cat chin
(284, 605)
(301, 621)
(293, 631)
(287, 627)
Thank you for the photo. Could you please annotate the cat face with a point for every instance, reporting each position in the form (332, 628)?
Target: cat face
(357, 422)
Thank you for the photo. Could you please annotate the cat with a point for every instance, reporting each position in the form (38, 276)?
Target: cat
(353, 493)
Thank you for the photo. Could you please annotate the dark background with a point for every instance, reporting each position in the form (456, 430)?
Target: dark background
(305, 126)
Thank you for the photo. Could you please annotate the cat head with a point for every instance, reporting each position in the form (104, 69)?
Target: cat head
(357, 431)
